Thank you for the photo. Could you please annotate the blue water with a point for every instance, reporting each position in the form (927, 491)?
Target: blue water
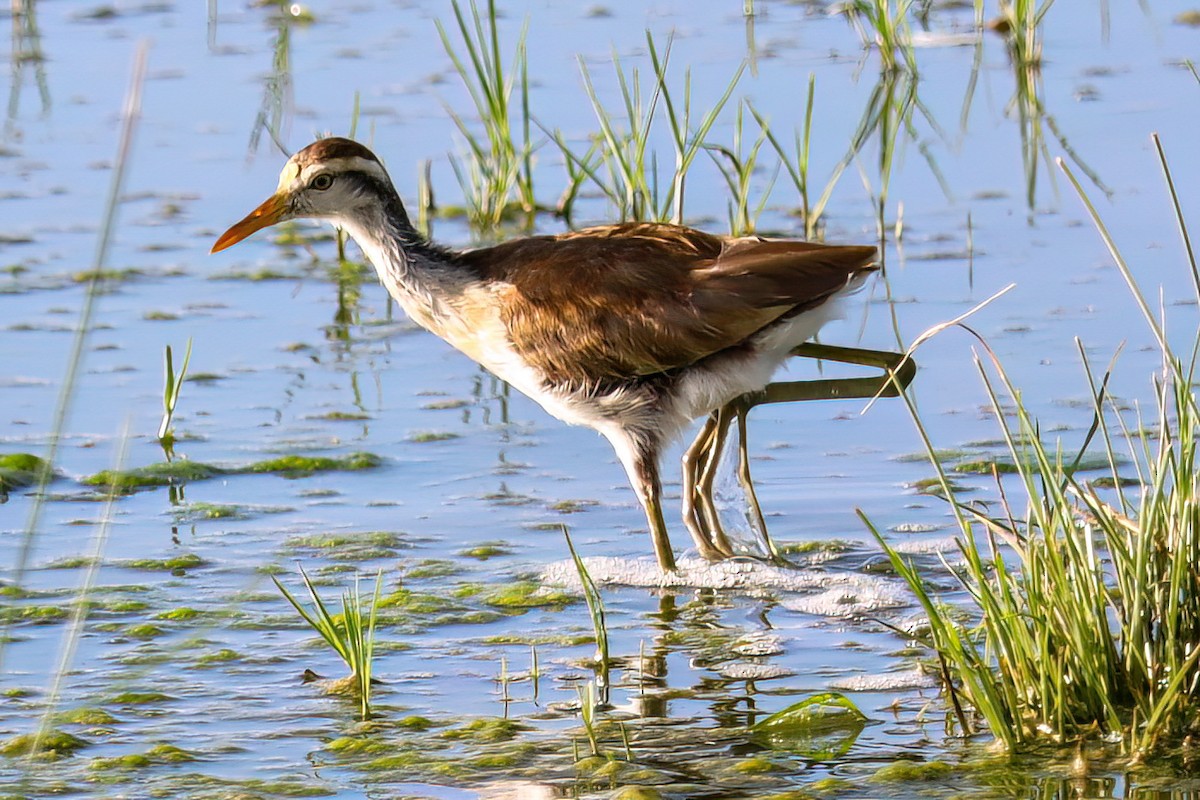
(282, 365)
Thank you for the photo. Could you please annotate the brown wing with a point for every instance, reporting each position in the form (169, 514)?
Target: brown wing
(637, 299)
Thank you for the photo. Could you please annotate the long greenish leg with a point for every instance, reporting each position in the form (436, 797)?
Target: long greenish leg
(752, 505)
(640, 459)
(658, 532)
(714, 532)
(690, 492)
(649, 492)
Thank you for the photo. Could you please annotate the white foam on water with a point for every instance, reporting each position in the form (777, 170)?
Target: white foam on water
(696, 573)
(758, 643)
(943, 544)
(851, 598)
(885, 682)
(745, 671)
(823, 593)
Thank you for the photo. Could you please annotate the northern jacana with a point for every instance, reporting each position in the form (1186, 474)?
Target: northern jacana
(634, 330)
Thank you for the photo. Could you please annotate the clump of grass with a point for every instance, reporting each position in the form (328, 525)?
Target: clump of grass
(351, 634)
(884, 25)
(1020, 22)
(797, 167)
(621, 160)
(498, 165)
(738, 167)
(1089, 600)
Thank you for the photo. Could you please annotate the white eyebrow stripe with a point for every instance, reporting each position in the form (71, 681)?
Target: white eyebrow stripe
(341, 165)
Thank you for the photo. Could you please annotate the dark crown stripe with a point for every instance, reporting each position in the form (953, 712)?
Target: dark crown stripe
(334, 147)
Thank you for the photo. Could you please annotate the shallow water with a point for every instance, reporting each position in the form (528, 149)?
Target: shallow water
(287, 373)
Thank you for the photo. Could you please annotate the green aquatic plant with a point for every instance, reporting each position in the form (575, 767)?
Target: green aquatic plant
(625, 166)
(26, 53)
(581, 168)
(351, 634)
(894, 112)
(797, 167)
(172, 385)
(1020, 24)
(588, 704)
(883, 24)
(18, 470)
(278, 98)
(595, 606)
(1088, 597)
(499, 165)
(737, 167)
(823, 727)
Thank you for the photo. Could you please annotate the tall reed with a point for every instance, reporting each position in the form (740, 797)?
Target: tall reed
(130, 114)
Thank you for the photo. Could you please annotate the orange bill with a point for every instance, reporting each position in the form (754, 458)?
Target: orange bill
(266, 215)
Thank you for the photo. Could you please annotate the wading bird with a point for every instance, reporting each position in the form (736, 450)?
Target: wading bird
(634, 330)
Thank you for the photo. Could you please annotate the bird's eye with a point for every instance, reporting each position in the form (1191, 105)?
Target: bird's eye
(322, 182)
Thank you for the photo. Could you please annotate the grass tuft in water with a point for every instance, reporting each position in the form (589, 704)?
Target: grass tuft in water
(621, 161)
(883, 24)
(737, 167)
(498, 166)
(350, 634)
(1088, 598)
(797, 167)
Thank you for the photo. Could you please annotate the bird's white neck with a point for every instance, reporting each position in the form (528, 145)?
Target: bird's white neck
(418, 276)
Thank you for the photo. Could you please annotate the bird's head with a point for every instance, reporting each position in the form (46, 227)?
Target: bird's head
(334, 178)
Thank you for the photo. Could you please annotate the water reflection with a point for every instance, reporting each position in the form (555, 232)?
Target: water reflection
(26, 53)
(278, 103)
(894, 110)
(1023, 45)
